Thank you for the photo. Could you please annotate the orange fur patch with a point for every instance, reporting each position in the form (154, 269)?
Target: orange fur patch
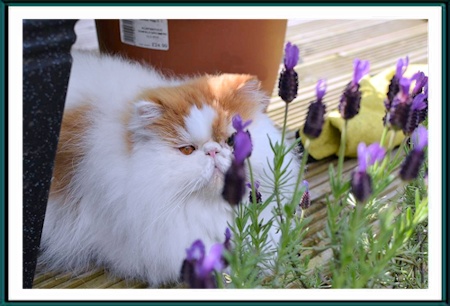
(227, 94)
(69, 152)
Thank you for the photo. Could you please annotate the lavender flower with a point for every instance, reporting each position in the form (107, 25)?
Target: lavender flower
(394, 86)
(361, 68)
(305, 201)
(350, 101)
(242, 141)
(227, 242)
(316, 113)
(410, 168)
(234, 187)
(197, 269)
(399, 112)
(421, 80)
(361, 182)
(257, 193)
(288, 81)
(421, 87)
(417, 113)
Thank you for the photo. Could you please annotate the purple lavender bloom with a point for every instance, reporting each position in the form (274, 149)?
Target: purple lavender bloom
(405, 85)
(394, 86)
(350, 101)
(375, 153)
(398, 115)
(411, 166)
(212, 262)
(257, 193)
(321, 89)
(361, 68)
(291, 56)
(288, 80)
(402, 65)
(234, 187)
(315, 118)
(420, 138)
(242, 141)
(368, 155)
(361, 185)
(227, 242)
(305, 201)
(196, 252)
(197, 269)
(421, 80)
(238, 124)
(361, 182)
(417, 113)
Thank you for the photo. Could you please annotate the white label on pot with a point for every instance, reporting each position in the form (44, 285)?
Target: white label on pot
(145, 33)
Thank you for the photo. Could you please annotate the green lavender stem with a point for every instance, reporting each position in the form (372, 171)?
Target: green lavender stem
(302, 170)
(342, 151)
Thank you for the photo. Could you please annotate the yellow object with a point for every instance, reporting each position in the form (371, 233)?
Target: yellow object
(365, 127)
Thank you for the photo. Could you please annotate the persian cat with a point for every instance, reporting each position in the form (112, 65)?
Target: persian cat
(139, 170)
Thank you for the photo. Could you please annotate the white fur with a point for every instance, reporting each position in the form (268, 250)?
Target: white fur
(137, 212)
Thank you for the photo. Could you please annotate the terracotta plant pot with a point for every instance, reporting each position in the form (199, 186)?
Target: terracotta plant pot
(187, 47)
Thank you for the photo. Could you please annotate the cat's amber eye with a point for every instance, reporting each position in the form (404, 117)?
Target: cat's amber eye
(230, 140)
(187, 150)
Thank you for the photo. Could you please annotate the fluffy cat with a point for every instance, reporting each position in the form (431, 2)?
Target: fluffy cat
(140, 164)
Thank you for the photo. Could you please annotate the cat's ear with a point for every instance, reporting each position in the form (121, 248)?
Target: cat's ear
(147, 112)
(251, 86)
(144, 113)
(249, 83)
(242, 84)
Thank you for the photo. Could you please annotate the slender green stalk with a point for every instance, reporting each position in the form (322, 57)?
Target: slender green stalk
(252, 181)
(283, 134)
(383, 135)
(302, 168)
(342, 150)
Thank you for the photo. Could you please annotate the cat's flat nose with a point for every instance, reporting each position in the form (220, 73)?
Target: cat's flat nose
(211, 148)
(212, 153)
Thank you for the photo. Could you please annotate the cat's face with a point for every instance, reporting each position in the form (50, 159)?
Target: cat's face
(188, 127)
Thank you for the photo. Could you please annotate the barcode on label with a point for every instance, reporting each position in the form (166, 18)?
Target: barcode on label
(127, 27)
(145, 33)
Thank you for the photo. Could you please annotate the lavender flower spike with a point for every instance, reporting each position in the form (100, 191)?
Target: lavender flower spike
(238, 124)
(362, 157)
(402, 65)
(321, 88)
(361, 182)
(411, 166)
(315, 118)
(375, 153)
(420, 138)
(288, 80)
(305, 201)
(350, 101)
(421, 80)
(234, 187)
(213, 261)
(394, 87)
(197, 268)
(291, 56)
(361, 68)
(417, 113)
(257, 193)
(242, 141)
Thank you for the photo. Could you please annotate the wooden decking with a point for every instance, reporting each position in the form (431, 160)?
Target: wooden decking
(327, 50)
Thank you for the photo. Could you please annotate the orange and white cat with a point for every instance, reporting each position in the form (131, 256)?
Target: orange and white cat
(140, 166)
